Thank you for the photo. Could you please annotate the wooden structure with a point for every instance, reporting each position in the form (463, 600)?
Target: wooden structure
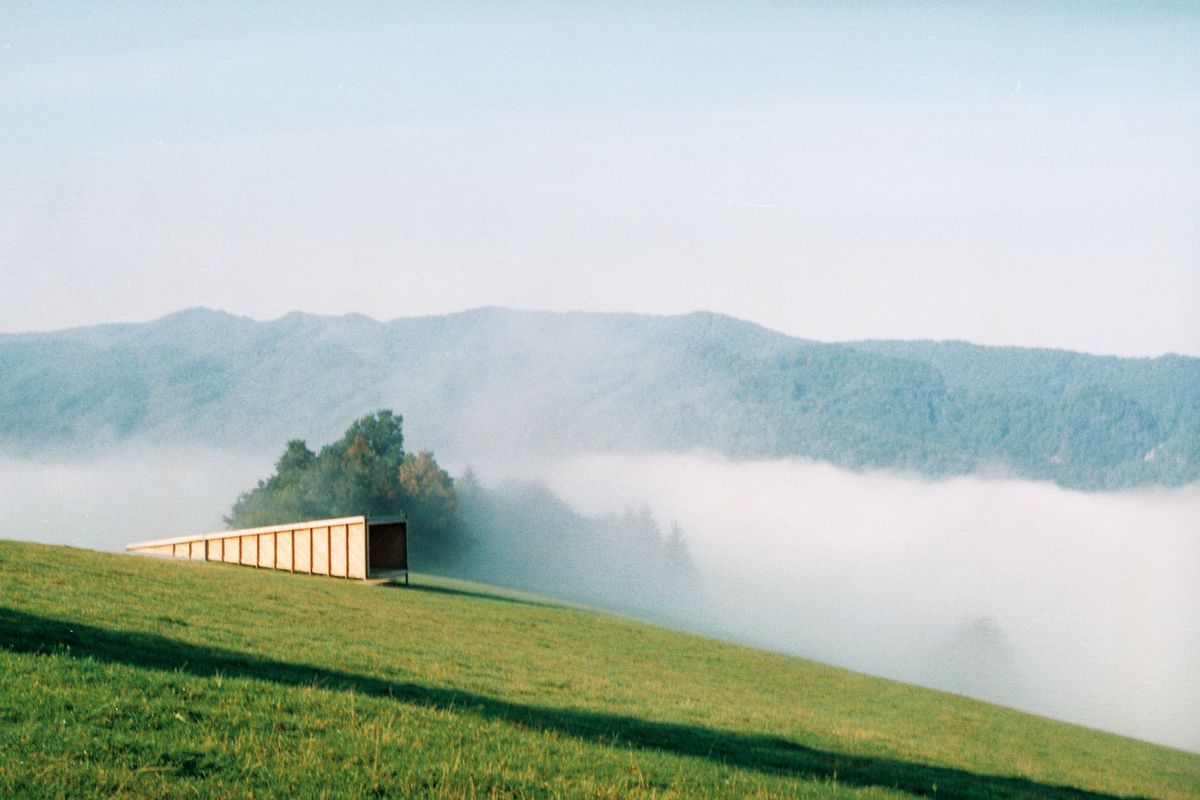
(366, 548)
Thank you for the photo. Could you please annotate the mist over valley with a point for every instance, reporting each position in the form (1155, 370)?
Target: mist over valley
(1079, 606)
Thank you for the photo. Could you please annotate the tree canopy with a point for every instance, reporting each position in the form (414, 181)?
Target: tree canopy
(366, 471)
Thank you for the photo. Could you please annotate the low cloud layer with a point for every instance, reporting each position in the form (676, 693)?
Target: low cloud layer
(1083, 607)
(137, 493)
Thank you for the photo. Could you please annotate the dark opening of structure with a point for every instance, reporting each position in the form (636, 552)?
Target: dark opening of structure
(388, 549)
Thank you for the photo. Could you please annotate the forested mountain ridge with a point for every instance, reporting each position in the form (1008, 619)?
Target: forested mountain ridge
(492, 381)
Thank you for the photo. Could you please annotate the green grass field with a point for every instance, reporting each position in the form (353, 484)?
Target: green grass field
(128, 676)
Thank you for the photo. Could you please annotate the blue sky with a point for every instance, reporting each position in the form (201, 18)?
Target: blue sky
(1004, 173)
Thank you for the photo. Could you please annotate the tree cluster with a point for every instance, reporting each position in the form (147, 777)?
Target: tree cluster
(525, 536)
(367, 471)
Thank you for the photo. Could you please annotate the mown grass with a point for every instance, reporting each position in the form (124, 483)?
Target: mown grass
(126, 676)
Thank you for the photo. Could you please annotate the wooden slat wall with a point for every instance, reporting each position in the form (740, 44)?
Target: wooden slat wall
(336, 550)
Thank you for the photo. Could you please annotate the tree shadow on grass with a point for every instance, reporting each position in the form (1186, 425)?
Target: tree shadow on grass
(27, 633)
(477, 595)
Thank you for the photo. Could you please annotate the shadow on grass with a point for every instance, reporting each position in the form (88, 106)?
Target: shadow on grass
(27, 633)
(477, 595)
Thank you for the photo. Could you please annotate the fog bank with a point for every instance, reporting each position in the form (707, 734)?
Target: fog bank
(133, 494)
(1082, 607)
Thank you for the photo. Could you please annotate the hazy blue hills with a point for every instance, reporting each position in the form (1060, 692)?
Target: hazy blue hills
(492, 382)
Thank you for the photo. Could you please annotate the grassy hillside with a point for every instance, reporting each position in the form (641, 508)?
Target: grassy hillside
(126, 676)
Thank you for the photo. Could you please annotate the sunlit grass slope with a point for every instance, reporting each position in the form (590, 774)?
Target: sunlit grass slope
(127, 676)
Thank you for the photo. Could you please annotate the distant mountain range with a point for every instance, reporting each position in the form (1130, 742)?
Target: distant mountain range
(491, 382)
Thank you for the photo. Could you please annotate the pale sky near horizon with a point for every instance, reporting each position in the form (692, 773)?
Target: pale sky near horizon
(1004, 173)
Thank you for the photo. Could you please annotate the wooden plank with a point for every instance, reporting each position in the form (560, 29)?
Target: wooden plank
(249, 547)
(320, 551)
(266, 550)
(284, 551)
(337, 550)
(356, 551)
(302, 550)
(233, 550)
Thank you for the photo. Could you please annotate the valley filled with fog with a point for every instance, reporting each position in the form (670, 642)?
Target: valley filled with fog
(133, 494)
(1079, 606)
